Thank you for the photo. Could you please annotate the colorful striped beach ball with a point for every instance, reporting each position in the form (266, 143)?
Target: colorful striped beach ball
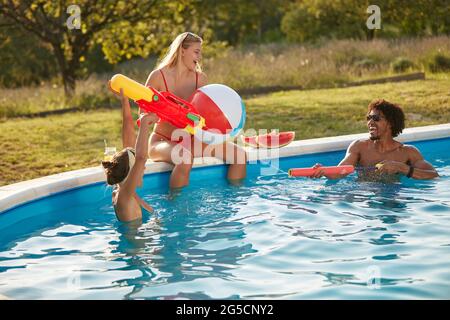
(223, 110)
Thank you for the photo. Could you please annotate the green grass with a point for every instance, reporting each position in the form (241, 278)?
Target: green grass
(330, 112)
(91, 94)
(30, 148)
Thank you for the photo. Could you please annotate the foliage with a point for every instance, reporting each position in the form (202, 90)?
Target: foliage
(310, 20)
(123, 28)
(113, 31)
(24, 60)
(439, 63)
(332, 64)
(401, 64)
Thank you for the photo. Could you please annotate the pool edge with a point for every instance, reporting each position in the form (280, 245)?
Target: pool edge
(17, 194)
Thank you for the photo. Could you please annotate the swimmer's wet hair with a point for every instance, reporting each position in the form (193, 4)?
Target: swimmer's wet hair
(117, 169)
(392, 112)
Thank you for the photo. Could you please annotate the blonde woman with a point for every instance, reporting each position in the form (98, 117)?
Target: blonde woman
(180, 73)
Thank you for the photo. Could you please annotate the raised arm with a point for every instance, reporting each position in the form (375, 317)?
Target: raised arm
(128, 134)
(137, 172)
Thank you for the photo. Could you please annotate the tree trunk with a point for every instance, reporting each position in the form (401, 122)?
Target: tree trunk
(260, 31)
(66, 71)
(69, 83)
(370, 34)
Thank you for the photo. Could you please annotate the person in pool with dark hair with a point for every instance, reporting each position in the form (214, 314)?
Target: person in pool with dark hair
(126, 168)
(385, 121)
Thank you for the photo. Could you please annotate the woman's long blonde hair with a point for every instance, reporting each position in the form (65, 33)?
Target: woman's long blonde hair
(172, 57)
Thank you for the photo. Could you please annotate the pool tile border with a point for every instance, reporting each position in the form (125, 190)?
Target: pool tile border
(19, 193)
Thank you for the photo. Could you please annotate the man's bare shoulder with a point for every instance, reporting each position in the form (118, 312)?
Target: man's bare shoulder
(411, 150)
(360, 144)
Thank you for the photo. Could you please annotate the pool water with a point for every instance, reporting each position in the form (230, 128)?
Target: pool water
(273, 237)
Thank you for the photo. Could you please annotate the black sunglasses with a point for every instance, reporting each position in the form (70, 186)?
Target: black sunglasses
(374, 117)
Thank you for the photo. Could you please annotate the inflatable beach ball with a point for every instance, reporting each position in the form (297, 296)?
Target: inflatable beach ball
(223, 110)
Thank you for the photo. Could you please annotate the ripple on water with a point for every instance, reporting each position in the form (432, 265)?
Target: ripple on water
(272, 238)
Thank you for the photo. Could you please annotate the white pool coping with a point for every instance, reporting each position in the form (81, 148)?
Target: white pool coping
(19, 193)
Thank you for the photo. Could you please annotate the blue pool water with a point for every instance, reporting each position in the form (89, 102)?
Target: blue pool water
(273, 237)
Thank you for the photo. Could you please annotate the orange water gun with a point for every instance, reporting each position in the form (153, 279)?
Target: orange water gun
(306, 172)
(344, 169)
(165, 105)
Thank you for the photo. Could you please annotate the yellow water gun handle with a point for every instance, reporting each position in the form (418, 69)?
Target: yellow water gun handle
(131, 89)
(200, 125)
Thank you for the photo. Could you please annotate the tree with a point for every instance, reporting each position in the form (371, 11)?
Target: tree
(33, 65)
(307, 20)
(237, 21)
(123, 28)
(421, 18)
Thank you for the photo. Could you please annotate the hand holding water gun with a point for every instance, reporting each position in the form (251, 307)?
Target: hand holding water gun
(165, 105)
(318, 171)
(333, 172)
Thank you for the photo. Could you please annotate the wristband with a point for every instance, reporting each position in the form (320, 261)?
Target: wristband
(410, 172)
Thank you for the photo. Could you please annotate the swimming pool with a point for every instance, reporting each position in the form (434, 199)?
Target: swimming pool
(273, 237)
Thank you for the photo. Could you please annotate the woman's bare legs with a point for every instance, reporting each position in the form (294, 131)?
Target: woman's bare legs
(229, 153)
(161, 150)
(235, 156)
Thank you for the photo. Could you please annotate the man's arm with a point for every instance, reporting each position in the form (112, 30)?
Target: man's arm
(422, 169)
(351, 158)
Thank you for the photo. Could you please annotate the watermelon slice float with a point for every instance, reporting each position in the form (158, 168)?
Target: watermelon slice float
(270, 140)
(250, 141)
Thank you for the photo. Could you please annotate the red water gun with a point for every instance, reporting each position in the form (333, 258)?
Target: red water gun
(165, 105)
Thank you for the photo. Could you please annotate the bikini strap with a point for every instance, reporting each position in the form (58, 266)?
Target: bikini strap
(164, 78)
(196, 80)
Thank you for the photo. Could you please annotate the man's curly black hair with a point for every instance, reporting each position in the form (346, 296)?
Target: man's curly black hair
(392, 112)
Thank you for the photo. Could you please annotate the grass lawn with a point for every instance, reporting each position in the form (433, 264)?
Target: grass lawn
(330, 112)
(30, 148)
